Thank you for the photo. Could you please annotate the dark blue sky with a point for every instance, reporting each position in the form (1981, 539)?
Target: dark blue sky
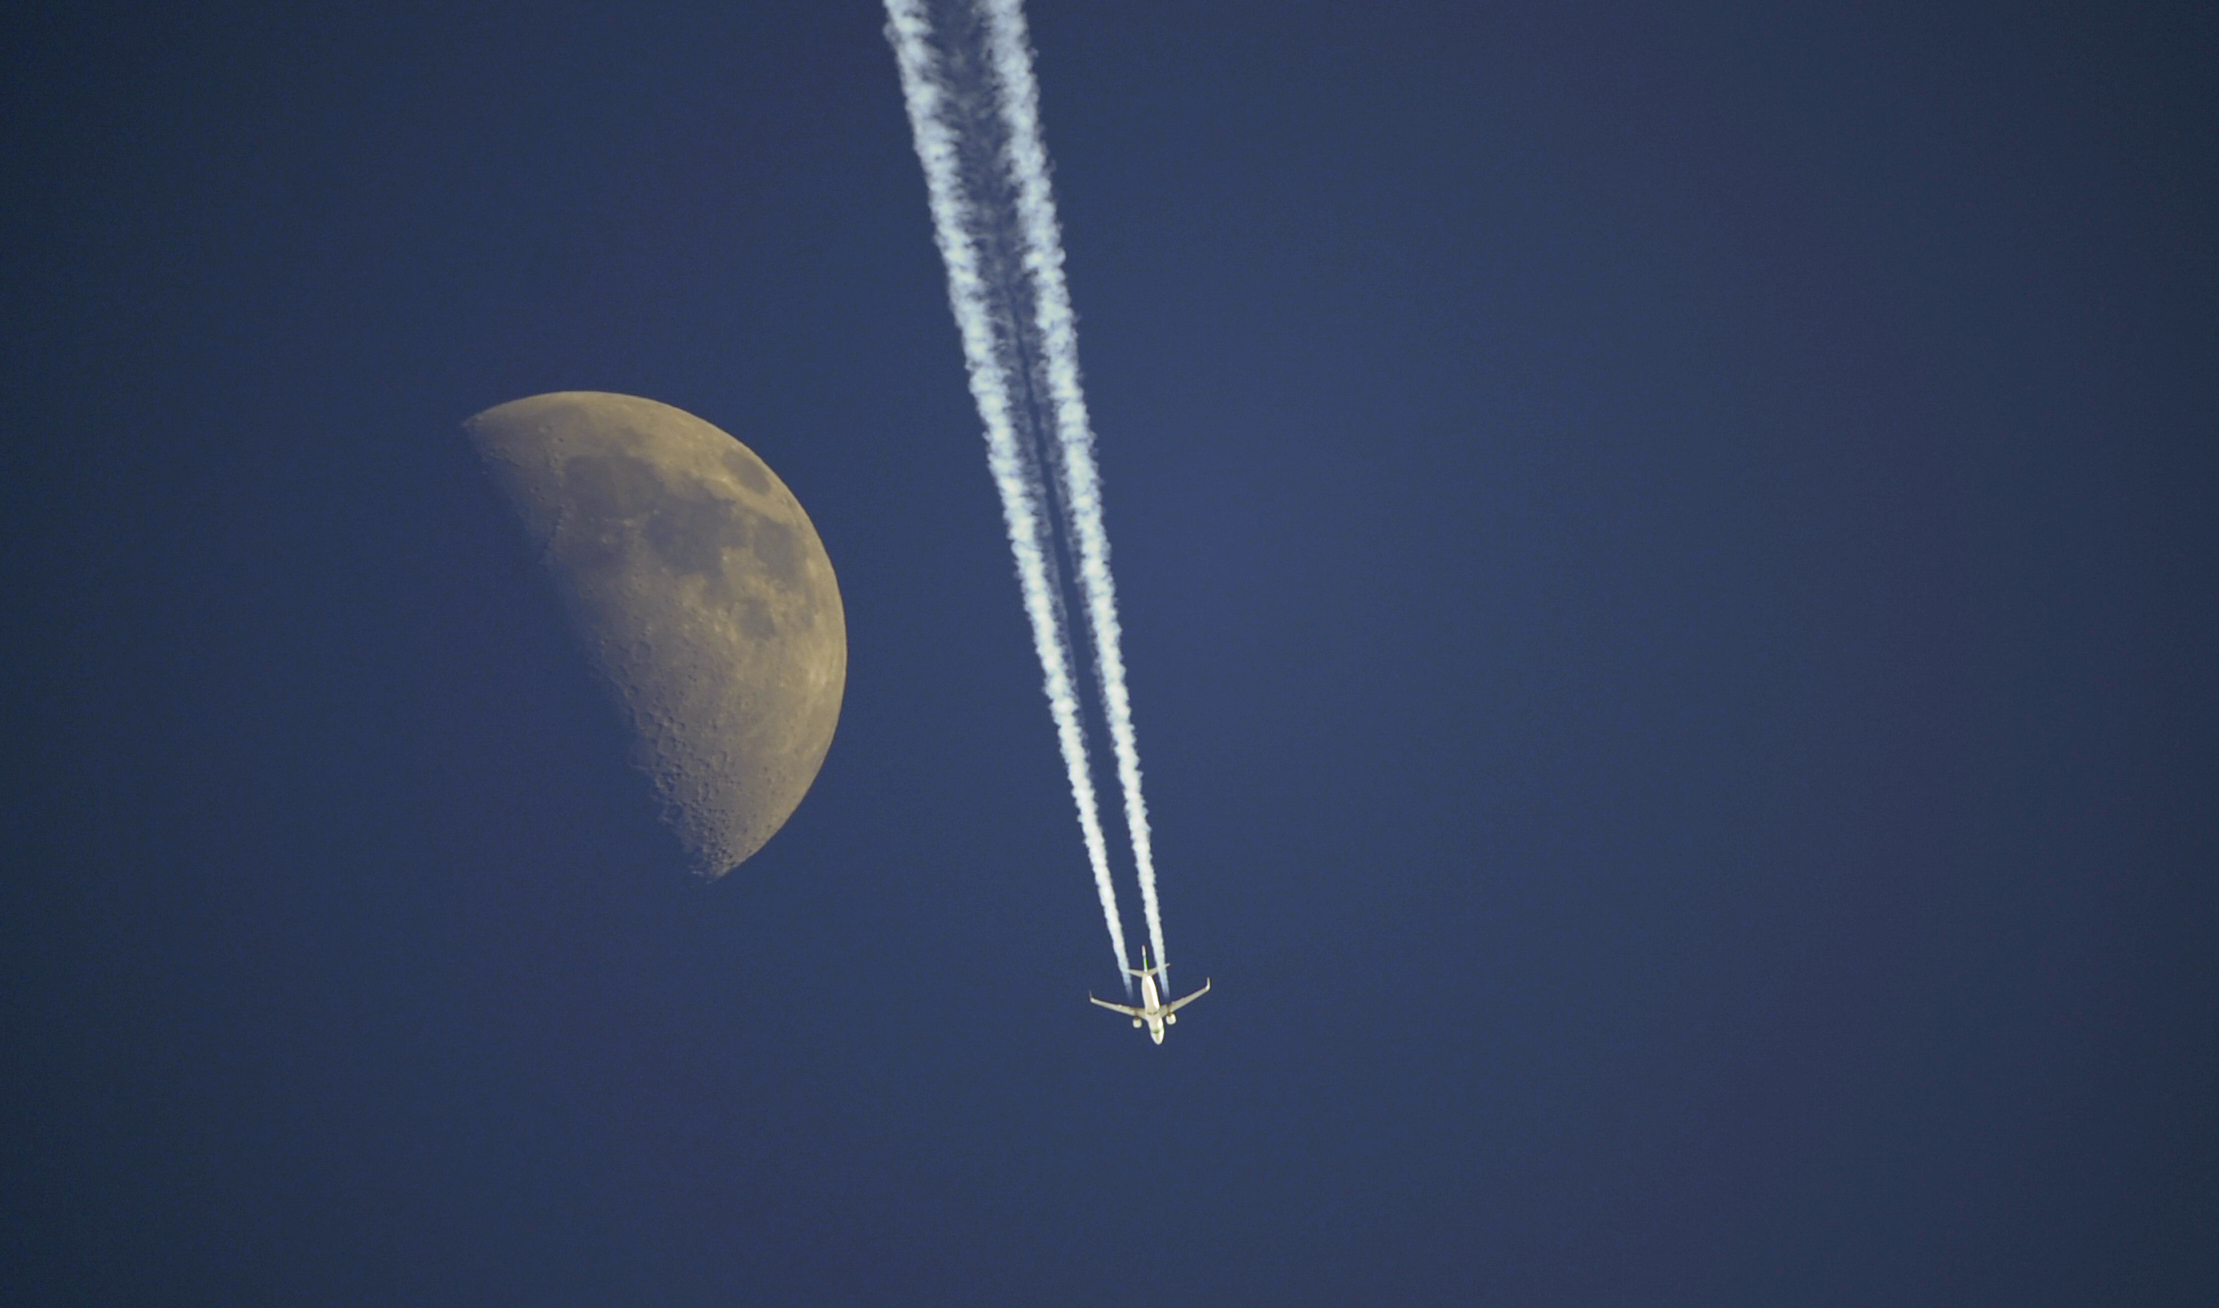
(1666, 556)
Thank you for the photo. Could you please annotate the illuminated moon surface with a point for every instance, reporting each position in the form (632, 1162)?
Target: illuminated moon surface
(700, 592)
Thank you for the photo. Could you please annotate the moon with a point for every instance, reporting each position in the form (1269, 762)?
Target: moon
(701, 593)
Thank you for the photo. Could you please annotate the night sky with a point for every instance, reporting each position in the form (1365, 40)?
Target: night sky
(1667, 565)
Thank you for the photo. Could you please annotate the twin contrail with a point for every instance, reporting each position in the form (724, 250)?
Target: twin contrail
(974, 110)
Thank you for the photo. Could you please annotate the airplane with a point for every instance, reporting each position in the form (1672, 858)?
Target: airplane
(1153, 1013)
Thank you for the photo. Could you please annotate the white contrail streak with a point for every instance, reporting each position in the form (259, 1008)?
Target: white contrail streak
(955, 222)
(1056, 333)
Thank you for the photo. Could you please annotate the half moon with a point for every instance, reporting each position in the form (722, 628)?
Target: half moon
(701, 593)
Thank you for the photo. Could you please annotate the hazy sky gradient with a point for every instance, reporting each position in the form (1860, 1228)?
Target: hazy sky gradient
(1665, 560)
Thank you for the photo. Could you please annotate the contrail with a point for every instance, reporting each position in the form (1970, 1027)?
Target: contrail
(956, 224)
(1009, 51)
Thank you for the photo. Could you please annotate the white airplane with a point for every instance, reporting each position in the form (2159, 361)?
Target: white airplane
(1153, 1013)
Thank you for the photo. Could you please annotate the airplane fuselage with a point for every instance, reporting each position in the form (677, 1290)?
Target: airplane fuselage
(1152, 1004)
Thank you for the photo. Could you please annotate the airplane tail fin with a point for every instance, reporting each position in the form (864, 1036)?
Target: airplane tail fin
(1144, 970)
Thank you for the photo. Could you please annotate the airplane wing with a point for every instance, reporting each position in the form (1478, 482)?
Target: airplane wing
(1120, 1008)
(1176, 1004)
